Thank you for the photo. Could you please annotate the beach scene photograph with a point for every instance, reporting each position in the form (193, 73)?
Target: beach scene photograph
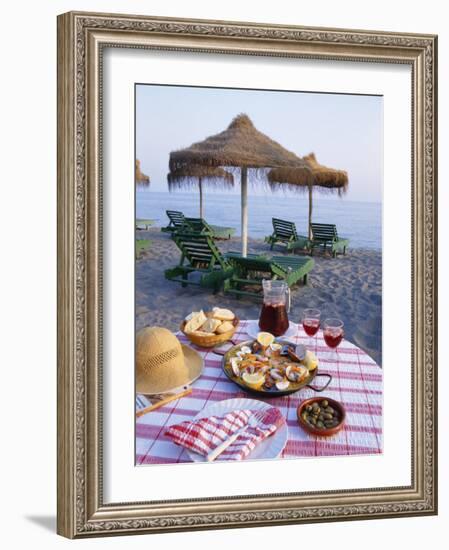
(258, 274)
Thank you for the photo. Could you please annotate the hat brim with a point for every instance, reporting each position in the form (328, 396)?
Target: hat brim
(194, 363)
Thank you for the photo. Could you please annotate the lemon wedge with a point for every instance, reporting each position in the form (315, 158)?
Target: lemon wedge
(310, 360)
(265, 339)
(254, 381)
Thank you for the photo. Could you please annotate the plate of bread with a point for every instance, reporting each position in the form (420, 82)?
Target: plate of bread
(210, 328)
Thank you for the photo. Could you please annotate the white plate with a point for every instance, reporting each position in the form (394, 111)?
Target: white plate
(252, 329)
(271, 447)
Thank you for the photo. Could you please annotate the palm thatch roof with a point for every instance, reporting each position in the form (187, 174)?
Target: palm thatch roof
(327, 179)
(190, 175)
(240, 145)
(141, 178)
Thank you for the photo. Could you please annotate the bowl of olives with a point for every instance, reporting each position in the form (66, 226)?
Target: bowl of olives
(321, 416)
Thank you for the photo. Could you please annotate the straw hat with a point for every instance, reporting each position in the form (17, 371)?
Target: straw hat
(162, 363)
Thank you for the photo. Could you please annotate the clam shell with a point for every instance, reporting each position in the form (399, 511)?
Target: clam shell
(276, 375)
(282, 385)
(235, 366)
(300, 351)
(295, 373)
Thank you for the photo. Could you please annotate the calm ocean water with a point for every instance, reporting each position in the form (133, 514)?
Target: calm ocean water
(361, 222)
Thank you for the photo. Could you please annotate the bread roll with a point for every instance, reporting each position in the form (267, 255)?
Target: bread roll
(223, 314)
(191, 315)
(226, 326)
(195, 322)
(210, 325)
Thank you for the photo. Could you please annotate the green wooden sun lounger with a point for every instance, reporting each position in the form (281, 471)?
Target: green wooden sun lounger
(325, 235)
(200, 225)
(177, 221)
(284, 232)
(199, 255)
(249, 272)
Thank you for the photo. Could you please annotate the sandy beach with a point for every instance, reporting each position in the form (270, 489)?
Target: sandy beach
(348, 287)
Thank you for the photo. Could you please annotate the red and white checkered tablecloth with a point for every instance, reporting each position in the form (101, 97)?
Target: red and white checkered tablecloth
(356, 382)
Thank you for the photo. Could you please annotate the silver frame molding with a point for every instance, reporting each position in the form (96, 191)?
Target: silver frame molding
(81, 39)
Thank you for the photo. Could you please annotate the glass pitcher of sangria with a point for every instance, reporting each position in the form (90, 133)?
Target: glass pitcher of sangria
(276, 304)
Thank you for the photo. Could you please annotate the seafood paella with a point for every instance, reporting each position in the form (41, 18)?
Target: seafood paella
(269, 365)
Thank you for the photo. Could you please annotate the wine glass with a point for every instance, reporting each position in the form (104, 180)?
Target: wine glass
(333, 332)
(311, 323)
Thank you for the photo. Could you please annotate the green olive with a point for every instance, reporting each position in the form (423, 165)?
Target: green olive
(329, 410)
(320, 424)
(324, 403)
(309, 408)
(328, 416)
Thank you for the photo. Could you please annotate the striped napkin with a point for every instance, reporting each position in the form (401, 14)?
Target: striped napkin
(205, 434)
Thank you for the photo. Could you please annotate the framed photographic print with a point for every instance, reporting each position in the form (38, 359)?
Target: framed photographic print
(247, 274)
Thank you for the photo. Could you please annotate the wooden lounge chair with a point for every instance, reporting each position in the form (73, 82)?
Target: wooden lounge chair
(324, 235)
(199, 255)
(200, 225)
(249, 272)
(285, 232)
(177, 221)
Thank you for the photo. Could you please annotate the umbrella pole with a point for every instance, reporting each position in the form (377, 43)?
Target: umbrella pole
(244, 191)
(200, 184)
(310, 211)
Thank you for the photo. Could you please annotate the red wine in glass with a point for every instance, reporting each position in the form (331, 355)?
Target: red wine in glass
(333, 338)
(311, 326)
(333, 332)
(311, 323)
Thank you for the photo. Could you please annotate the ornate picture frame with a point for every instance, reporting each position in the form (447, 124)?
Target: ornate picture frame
(82, 38)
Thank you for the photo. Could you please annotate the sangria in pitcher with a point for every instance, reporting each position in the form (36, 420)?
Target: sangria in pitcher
(276, 303)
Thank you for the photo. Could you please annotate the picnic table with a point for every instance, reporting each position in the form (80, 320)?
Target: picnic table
(356, 383)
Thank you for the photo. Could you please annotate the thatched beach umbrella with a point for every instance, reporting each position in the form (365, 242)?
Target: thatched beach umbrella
(242, 146)
(193, 175)
(326, 179)
(141, 178)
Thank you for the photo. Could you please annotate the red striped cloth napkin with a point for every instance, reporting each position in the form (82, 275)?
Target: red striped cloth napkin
(205, 434)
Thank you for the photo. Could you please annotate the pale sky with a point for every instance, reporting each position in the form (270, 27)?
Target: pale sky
(344, 131)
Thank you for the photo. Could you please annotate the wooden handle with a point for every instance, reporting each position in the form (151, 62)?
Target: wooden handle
(162, 402)
(224, 445)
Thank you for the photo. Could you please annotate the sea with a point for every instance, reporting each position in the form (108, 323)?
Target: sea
(360, 222)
